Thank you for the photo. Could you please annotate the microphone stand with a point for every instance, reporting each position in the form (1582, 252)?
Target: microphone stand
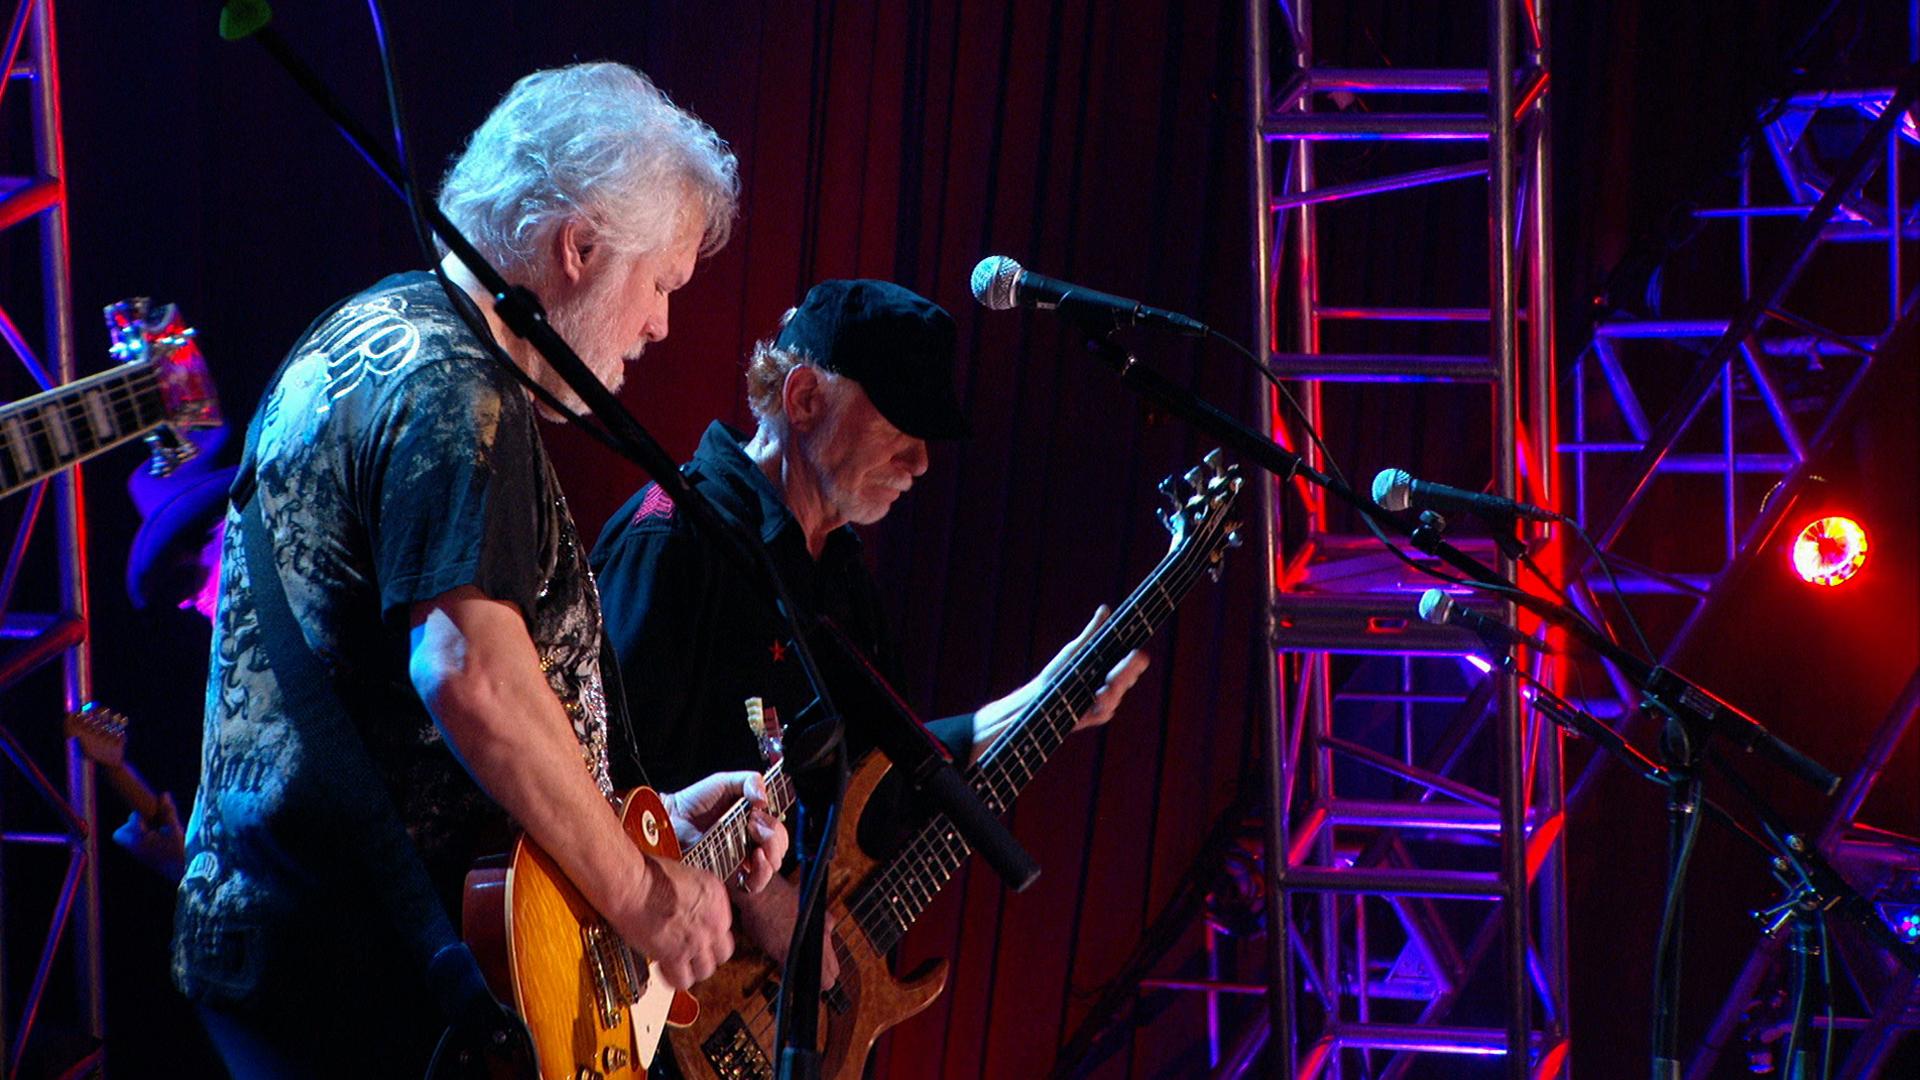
(1694, 715)
(820, 767)
(1813, 888)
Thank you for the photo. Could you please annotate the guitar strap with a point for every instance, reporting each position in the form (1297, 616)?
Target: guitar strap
(394, 873)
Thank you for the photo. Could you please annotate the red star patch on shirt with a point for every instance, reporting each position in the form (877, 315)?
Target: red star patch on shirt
(778, 650)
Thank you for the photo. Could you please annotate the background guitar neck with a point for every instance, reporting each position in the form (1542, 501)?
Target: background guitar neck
(49, 431)
(138, 793)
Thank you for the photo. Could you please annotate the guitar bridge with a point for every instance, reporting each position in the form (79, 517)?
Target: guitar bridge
(594, 943)
(733, 1053)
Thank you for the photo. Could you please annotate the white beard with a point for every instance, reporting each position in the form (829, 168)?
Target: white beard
(583, 322)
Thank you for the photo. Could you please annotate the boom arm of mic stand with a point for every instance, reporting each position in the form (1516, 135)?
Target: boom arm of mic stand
(1663, 688)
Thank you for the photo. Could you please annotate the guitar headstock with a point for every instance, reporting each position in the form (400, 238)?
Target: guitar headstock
(1198, 504)
(101, 732)
(159, 337)
(764, 721)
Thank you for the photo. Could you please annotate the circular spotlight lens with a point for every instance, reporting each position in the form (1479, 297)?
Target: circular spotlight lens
(1830, 551)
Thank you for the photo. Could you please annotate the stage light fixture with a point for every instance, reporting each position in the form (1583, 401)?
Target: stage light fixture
(1830, 551)
(1904, 919)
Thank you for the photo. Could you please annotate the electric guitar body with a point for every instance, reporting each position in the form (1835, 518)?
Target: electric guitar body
(591, 1005)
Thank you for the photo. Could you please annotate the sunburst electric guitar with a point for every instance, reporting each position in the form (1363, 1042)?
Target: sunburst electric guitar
(595, 1007)
(874, 903)
(160, 389)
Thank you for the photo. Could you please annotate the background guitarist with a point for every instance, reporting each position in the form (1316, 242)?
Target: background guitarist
(174, 562)
(846, 398)
(396, 489)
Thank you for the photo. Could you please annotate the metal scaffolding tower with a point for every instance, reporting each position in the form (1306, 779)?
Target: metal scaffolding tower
(30, 640)
(1768, 382)
(1810, 245)
(1416, 803)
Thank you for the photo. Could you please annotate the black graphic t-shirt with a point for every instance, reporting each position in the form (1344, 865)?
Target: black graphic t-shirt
(396, 462)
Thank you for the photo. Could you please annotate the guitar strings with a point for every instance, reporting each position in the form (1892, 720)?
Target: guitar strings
(1045, 719)
(1074, 694)
(117, 389)
(702, 855)
(763, 1018)
(1181, 570)
(918, 888)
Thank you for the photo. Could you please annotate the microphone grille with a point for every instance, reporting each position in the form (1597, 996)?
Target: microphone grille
(1436, 607)
(1393, 489)
(993, 281)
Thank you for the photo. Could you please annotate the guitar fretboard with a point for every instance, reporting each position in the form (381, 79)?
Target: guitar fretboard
(725, 846)
(49, 431)
(891, 898)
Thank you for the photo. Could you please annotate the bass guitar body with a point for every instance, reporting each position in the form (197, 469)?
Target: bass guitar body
(593, 1007)
(733, 1037)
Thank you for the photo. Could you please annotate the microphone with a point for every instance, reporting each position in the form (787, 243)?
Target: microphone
(1003, 284)
(1396, 489)
(1440, 609)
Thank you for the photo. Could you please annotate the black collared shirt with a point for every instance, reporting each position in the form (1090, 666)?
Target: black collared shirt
(694, 640)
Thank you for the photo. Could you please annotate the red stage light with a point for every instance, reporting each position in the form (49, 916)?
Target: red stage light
(1830, 551)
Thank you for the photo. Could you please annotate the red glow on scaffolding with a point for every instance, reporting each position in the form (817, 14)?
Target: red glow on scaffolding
(1830, 551)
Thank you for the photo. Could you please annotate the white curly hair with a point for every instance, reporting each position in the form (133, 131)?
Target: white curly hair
(594, 142)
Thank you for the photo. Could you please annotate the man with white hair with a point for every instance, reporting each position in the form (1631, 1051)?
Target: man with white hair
(395, 479)
(845, 398)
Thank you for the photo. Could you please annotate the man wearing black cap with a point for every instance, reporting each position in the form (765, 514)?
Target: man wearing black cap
(845, 398)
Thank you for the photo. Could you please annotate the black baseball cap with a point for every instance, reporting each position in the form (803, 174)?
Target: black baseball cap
(895, 343)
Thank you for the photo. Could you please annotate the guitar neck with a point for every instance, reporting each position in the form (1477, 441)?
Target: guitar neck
(49, 431)
(891, 898)
(724, 848)
(133, 788)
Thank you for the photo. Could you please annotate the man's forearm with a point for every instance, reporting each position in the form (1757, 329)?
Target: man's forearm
(485, 690)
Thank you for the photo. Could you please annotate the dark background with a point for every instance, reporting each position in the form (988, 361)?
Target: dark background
(1095, 142)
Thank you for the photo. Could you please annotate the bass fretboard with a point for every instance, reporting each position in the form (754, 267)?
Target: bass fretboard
(892, 897)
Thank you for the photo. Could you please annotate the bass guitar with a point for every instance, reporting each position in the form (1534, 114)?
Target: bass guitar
(874, 903)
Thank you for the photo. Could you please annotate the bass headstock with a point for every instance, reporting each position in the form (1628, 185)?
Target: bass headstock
(1200, 504)
(142, 333)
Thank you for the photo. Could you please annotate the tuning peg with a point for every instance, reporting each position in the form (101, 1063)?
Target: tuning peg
(1216, 461)
(1233, 539)
(1196, 479)
(1170, 487)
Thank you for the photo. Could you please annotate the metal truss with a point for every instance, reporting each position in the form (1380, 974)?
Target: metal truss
(1827, 181)
(1417, 924)
(31, 640)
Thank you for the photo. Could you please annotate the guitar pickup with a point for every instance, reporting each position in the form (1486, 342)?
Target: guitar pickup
(733, 1053)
